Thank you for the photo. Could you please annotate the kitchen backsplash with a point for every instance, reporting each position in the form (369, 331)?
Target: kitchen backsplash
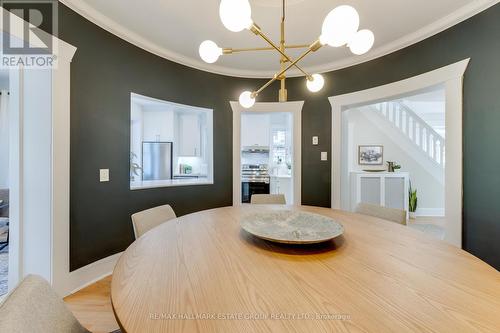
(254, 158)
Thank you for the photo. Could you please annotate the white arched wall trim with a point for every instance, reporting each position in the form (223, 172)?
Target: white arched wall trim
(39, 179)
(451, 77)
(296, 109)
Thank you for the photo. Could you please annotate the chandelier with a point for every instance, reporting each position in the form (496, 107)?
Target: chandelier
(340, 28)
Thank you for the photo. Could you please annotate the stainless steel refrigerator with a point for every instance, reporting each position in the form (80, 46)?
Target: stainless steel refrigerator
(157, 160)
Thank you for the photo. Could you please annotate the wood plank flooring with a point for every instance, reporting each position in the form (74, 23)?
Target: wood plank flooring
(92, 307)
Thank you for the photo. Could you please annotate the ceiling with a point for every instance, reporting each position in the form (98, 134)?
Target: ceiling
(174, 29)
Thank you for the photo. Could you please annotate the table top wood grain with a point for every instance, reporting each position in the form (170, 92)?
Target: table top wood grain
(202, 273)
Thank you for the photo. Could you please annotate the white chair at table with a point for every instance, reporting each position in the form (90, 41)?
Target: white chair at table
(389, 214)
(146, 220)
(33, 306)
(268, 199)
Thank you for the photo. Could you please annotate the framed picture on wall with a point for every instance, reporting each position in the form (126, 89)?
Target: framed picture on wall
(371, 155)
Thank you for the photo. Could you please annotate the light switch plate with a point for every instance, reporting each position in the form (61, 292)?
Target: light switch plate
(104, 175)
(324, 156)
(315, 140)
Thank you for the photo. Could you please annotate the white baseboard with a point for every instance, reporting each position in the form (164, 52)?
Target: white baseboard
(439, 212)
(89, 274)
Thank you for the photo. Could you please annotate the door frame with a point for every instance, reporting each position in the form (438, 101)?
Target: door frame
(451, 77)
(49, 257)
(295, 108)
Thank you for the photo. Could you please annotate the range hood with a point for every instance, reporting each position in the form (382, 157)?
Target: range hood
(255, 149)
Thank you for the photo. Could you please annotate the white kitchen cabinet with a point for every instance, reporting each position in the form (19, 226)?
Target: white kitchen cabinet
(158, 126)
(189, 135)
(282, 185)
(255, 130)
(386, 189)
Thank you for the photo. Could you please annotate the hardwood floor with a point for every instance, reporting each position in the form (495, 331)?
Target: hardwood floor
(434, 220)
(92, 307)
(430, 225)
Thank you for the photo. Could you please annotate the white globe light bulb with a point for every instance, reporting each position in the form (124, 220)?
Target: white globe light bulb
(246, 99)
(339, 26)
(236, 15)
(362, 42)
(209, 51)
(316, 84)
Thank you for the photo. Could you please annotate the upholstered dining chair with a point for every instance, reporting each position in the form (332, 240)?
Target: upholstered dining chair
(33, 306)
(389, 214)
(4, 217)
(268, 199)
(146, 220)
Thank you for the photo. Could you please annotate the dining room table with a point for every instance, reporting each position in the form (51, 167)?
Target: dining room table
(203, 273)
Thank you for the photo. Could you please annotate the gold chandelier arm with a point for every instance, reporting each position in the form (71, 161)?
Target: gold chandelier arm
(256, 30)
(298, 46)
(270, 48)
(277, 75)
(247, 49)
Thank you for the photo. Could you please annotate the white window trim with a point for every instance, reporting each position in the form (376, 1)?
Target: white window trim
(209, 180)
(452, 78)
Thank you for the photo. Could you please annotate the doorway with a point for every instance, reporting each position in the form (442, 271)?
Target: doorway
(267, 151)
(4, 180)
(449, 77)
(394, 155)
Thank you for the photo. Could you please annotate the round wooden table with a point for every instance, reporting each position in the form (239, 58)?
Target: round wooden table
(202, 273)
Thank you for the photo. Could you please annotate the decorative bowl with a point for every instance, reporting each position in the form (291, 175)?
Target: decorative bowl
(291, 227)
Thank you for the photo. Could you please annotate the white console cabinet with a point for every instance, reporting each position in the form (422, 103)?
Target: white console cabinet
(387, 189)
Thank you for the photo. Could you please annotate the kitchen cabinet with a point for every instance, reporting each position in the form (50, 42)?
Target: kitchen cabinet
(157, 126)
(255, 130)
(282, 185)
(189, 135)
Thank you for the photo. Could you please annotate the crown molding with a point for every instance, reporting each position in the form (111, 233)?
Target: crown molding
(430, 30)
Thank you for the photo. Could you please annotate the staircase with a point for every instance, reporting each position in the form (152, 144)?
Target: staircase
(413, 128)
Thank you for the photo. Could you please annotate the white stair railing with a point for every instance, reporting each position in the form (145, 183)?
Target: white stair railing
(414, 128)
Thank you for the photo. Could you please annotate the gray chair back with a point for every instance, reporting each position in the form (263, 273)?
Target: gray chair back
(34, 307)
(4, 198)
(268, 199)
(148, 219)
(389, 214)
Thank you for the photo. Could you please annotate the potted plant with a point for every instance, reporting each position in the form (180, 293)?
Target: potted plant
(413, 202)
(134, 167)
(393, 166)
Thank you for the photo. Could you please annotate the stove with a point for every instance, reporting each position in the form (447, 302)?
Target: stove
(255, 173)
(254, 180)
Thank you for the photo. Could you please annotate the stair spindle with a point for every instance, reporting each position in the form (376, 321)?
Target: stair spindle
(400, 115)
(441, 152)
(407, 126)
(432, 146)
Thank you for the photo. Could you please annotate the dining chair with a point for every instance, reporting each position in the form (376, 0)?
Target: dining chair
(4, 217)
(33, 306)
(389, 214)
(146, 220)
(268, 199)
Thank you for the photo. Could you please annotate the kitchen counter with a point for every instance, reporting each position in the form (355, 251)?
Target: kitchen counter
(145, 184)
(190, 175)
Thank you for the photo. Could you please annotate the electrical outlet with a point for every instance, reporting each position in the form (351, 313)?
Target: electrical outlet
(324, 156)
(104, 175)
(315, 140)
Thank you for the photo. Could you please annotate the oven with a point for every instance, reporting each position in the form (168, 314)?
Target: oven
(252, 187)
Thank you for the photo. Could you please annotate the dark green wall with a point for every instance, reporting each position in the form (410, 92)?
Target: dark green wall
(106, 69)
(477, 38)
